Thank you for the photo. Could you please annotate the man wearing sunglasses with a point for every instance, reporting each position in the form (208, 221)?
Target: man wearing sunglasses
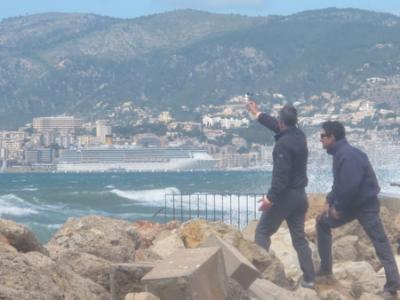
(286, 198)
(353, 196)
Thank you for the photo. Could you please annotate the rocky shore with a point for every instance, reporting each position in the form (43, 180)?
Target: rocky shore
(96, 257)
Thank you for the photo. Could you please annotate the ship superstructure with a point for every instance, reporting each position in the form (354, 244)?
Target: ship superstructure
(134, 159)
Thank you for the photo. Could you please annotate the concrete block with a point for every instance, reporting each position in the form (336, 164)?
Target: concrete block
(141, 296)
(189, 274)
(237, 266)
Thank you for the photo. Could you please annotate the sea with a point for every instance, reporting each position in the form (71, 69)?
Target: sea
(44, 201)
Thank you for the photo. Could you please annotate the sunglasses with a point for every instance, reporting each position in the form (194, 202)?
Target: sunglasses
(324, 135)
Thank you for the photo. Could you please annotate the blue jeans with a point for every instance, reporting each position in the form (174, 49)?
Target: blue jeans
(371, 223)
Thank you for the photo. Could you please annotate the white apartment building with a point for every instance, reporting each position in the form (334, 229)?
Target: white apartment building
(103, 130)
(60, 124)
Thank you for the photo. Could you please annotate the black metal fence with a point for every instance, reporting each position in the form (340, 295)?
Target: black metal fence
(234, 209)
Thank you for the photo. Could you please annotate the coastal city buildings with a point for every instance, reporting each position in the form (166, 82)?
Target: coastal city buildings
(226, 131)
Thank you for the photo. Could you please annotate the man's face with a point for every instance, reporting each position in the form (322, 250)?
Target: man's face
(326, 140)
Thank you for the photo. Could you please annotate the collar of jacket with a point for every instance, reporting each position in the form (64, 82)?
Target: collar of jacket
(283, 132)
(336, 146)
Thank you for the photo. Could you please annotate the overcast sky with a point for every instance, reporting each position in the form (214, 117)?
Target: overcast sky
(136, 8)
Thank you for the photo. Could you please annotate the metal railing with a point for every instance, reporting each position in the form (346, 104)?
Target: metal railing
(234, 209)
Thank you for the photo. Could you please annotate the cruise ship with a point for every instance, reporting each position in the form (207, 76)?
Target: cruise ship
(134, 159)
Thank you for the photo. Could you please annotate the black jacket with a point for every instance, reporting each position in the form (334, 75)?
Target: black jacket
(355, 185)
(289, 158)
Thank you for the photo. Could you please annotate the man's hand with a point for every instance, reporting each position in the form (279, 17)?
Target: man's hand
(334, 214)
(265, 204)
(324, 211)
(252, 107)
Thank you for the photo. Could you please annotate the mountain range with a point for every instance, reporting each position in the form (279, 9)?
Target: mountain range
(85, 64)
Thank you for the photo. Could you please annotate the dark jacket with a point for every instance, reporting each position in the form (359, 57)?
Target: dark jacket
(355, 185)
(289, 158)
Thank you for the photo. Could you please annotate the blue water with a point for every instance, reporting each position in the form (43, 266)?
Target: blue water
(44, 202)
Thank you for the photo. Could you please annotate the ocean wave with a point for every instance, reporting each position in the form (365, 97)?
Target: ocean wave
(12, 205)
(110, 186)
(148, 196)
(29, 189)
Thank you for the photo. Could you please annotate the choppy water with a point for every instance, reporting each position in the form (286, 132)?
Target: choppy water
(45, 201)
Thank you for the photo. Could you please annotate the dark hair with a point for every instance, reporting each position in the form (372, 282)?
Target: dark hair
(334, 128)
(288, 115)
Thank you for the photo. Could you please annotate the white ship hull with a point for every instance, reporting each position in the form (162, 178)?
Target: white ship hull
(172, 165)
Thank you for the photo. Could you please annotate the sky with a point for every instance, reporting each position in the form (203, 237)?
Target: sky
(136, 8)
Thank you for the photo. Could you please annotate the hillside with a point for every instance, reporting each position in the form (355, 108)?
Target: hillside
(72, 63)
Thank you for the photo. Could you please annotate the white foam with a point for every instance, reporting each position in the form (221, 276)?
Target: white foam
(153, 196)
(110, 186)
(12, 205)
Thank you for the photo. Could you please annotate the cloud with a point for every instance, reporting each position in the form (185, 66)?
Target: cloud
(215, 4)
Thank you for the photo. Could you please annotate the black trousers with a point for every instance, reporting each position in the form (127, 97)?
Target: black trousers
(292, 207)
(372, 224)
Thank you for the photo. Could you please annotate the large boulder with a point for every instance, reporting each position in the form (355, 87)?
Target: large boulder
(35, 276)
(270, 267)
(359, 277)
(195, 232)
(87, 265)
(149, 231)
(111, 239)
(20, 237)
(167, 243)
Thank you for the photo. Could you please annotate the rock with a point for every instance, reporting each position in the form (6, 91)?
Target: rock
(333, 295)
(4, 240)
(189, 274)
(196, 231)
(35, 276)
(345, 249)
(367, 296)
(141, 296)
(266, 290)
(87, 265)
(249, 231)
(20, 237)
(127, 278)
(360, 277)
(148, 231)
(267, 263)
(167, 243)
(235, 290)
(111, 239)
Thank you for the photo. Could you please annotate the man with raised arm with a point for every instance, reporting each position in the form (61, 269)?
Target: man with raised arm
(286, 198)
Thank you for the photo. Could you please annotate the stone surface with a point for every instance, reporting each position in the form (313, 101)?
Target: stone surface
(20, 237)
(126, 278)
(111, 239)
(33, 275)
(196, 231)
(87, 265)
(266, 290)
(267, 263)
(345, 249)
(166, 244)
(360, 277)
(189, 274)
(237, 266)
(149, 231)
(141, 296)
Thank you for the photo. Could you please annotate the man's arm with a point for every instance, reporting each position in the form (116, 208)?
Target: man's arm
(281, 171)
(348, 180)
(265, 119)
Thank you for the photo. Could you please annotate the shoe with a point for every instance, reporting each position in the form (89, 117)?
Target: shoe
(307, 284)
